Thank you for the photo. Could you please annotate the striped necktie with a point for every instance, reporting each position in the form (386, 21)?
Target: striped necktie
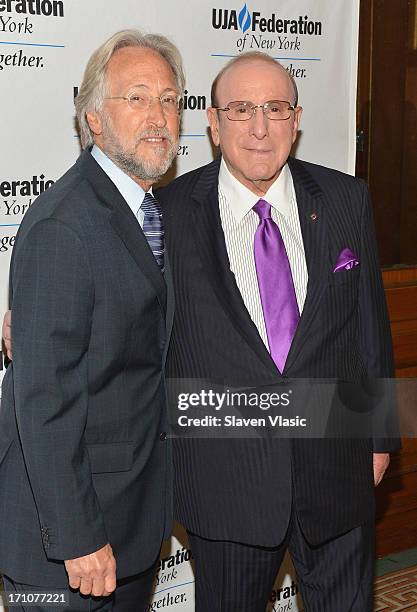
(153, 227)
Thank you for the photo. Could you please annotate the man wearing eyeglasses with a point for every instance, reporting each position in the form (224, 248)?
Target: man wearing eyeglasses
(253, 222)
(85, 464)
(276, 276)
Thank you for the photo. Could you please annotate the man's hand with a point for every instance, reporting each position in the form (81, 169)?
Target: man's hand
(381, 462)
(7, 332)
(93, 574)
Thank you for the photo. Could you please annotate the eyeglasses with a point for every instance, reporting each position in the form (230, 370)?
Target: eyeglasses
(277, 110)
(171, 103)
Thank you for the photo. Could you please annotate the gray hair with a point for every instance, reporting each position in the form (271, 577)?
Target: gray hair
(93, 87)
(245, 57)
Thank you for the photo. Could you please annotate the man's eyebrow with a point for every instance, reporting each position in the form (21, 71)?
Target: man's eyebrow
(139, 85)
(143, 86)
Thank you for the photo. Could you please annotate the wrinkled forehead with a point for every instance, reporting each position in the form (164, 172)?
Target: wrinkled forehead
(256, 81)
(138, 66)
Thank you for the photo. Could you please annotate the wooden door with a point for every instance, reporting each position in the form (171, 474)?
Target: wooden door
(387, 160)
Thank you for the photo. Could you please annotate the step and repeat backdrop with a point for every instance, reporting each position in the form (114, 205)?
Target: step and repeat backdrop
(44, 46)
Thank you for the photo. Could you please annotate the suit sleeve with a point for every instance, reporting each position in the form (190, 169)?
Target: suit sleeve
(376, 342)
(53, 297)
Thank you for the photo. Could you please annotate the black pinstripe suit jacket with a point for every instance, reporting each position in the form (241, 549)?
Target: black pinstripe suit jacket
(243, 490)
(82, 462)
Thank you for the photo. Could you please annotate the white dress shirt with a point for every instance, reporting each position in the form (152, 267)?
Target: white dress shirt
(239, 223)
(130, 190)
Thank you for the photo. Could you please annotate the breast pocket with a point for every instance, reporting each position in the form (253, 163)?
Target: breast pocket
(345, 277)
(341, 297)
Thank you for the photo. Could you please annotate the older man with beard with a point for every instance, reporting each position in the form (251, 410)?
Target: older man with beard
(85, 466)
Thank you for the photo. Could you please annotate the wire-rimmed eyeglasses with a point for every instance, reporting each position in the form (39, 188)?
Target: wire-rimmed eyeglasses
(277, 110)
(171, 103)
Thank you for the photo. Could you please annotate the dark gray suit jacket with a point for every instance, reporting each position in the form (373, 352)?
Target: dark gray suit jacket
(83, 457)
(243, 490)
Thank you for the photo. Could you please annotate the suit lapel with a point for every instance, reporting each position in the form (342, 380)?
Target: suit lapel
(124, 224)
(211, 246)
(312, 216)
(170, 300)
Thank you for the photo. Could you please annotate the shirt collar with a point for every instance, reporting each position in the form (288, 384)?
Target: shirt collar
(130, 190)
(241, 200)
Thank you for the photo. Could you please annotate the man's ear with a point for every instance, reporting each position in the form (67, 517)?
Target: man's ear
(95, 122)
(297, 117)
(213, 119)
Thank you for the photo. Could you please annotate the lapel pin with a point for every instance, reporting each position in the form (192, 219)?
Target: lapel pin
(313, 217)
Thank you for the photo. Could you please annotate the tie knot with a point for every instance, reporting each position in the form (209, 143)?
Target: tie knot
(263, 209)
(150, 205)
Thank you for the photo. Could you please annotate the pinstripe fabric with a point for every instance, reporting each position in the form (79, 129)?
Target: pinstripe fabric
(334, 577)
(219, 569)
(242, 490)
(239, 234)
(338, 575)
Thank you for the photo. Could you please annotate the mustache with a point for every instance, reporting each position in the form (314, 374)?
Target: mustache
(156, 133)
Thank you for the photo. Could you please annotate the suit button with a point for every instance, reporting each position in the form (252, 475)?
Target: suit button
(163, 436)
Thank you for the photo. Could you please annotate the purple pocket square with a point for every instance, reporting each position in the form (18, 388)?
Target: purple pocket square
(346, 260)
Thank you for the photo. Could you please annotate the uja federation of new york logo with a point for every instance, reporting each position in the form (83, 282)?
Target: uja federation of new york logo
(260, 31)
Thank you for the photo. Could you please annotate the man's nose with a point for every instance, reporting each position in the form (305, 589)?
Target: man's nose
(259, 123)
(156, 113)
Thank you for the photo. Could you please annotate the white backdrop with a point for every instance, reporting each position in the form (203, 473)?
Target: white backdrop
(44, 46)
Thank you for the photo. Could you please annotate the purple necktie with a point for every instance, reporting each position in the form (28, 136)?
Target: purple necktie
(276, 287)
